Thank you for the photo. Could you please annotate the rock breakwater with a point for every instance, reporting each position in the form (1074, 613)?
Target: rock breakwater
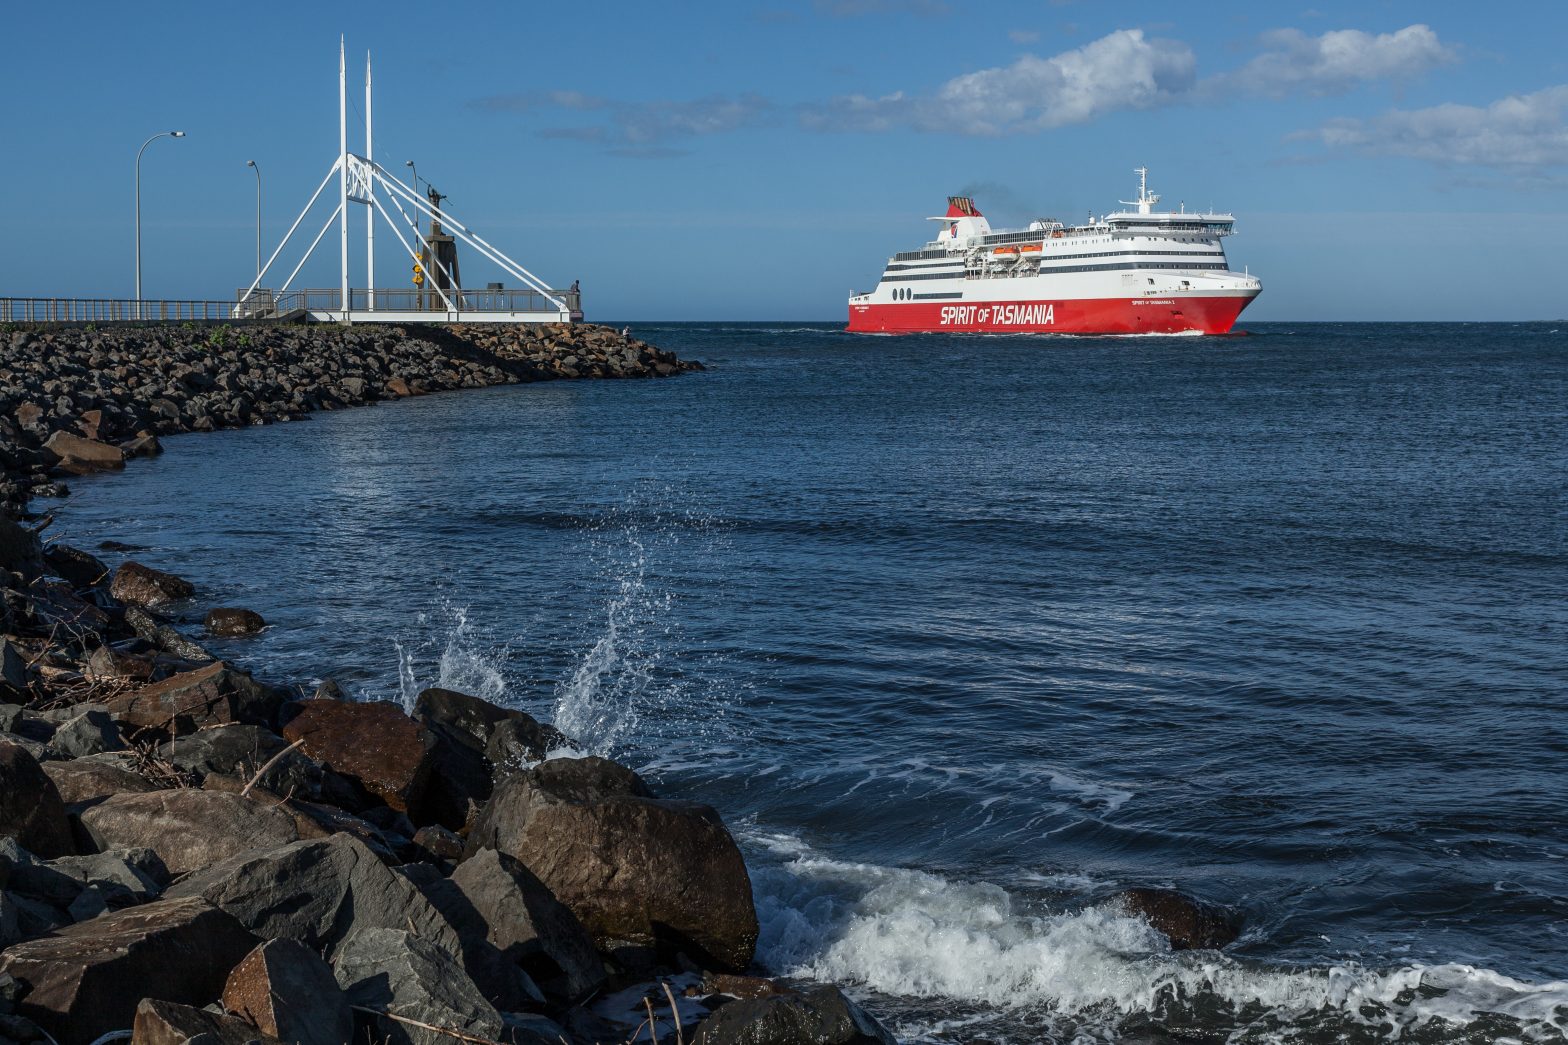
(75, 400)
(190, 853)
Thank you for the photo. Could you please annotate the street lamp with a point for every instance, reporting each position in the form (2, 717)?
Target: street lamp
(252, 165)
(149, 141)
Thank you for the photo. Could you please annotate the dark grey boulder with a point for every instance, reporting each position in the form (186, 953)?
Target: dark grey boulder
(822, 1016)
(91, 731)
(390, 970)
(239, 749)
(30, 806)
(315, 891)
(495, 897)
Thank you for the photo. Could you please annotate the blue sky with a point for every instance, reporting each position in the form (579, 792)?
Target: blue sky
(1385, 160)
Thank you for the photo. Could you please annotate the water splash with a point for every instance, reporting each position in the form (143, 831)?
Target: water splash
(451, 653)
(644, 690)
(601, 703)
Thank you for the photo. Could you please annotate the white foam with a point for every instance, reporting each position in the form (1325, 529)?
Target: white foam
(919, 935)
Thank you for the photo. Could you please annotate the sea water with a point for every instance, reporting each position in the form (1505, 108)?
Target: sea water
(963, 634)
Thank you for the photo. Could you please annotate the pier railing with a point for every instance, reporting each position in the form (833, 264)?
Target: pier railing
(263, 304)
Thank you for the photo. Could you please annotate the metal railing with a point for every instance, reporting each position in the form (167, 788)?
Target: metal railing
(105, 310)
(263, 304)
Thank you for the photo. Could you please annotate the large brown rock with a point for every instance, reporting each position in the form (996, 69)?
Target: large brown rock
(30, 806)
(1187, 923)
(88, 978)
(81, 456)
(169, 1023)
(286, 990)
(374, 743)
(189, 829)
(639, 872)
(206, 696)
(144, 586)
(91, 780)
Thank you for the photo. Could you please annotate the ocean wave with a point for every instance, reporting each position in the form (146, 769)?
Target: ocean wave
(999, 962)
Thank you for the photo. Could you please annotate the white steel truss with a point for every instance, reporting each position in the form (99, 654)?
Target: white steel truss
(364, 182)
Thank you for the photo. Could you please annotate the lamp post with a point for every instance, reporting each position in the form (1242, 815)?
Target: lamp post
(252, 165)
(149, 141)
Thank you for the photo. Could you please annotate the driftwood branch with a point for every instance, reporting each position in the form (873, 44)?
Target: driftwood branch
(245, 791)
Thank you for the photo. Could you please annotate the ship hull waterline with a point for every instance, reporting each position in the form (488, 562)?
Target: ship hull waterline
(1205, 314)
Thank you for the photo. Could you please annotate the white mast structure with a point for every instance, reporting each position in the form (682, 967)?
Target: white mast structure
(359, 179)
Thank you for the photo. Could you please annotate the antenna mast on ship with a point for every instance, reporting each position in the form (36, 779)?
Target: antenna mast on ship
(1146, 199)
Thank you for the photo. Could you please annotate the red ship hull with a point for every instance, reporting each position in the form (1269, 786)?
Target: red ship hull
(1167, 315)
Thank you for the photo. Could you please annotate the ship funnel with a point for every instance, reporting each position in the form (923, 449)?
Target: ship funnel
(962, 207)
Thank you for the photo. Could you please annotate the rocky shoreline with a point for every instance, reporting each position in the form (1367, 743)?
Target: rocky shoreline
(190, 854)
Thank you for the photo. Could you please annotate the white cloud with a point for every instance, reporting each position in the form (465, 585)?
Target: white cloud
(1123, 70)
(1523, 133)
(1336, 61)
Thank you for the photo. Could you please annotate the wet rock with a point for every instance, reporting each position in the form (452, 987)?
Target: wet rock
(286, 990)
(494, 897)
(390, 970)
(1189, 924)
(81, 456)
(464, 727)
(210, 695)
(822, 1016)
(90, 732)
(88, 979)
(78, 568)
(30, 806)
(86, 780)
(143, 586)
(314, 891)
(169, 1023)
(639, 872)
(189, 829)
(515, 744)
(736, 986)
(470, 720)
(230, 622)
(373, 743)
